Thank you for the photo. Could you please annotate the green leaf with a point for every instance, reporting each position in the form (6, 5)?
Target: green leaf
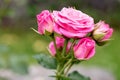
(102, 42)
(46, 61)
(63, 78)
(98, 37)
(47, 33)
(35, 30)
(77, 76)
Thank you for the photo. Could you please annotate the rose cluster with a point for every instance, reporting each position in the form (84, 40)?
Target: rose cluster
(68, 24)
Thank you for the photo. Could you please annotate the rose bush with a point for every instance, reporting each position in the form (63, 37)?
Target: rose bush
(74, 42)
(72, 23)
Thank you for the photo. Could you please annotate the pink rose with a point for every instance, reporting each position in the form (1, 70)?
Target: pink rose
(102, 31)
(72, 23)
(45, 22)
(84, 49)
(59, 44)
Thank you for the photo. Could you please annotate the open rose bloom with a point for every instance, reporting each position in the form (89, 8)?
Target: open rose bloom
(74, 36)
(72, 23)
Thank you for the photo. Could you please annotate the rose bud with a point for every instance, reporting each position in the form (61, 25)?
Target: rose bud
(59, 43)
(102, 32)
(45, 22)
(84, 49)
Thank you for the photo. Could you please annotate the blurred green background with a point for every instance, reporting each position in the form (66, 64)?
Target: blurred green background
(18, 43)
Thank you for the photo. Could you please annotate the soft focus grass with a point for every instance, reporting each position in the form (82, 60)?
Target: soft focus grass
(18, 47)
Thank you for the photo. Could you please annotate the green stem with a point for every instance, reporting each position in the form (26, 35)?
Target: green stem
(64, 67)
(54, 41)
(71, 47)
(68, 68)
(57, 74)
(65, 46)
(62, 70)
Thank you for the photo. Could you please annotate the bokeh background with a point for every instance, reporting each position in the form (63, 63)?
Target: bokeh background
(18, 43)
